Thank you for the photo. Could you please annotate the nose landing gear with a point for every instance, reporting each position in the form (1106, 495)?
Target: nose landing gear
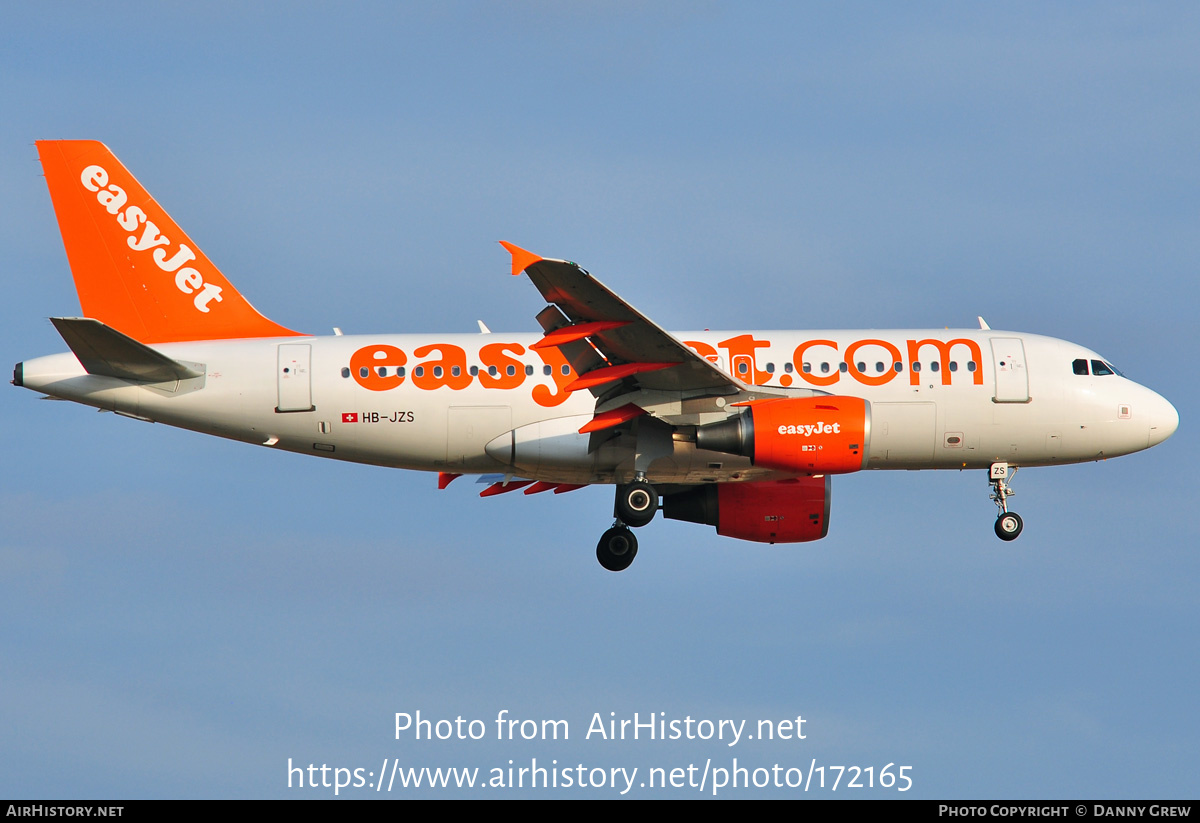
(1008, 524)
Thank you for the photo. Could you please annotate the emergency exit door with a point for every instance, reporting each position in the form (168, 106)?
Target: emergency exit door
(1008, 362)
(295, 379)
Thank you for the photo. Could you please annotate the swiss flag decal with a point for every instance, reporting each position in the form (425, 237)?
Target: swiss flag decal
(349, 417)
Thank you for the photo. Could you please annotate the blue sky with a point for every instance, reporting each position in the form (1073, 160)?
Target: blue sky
(180, 615)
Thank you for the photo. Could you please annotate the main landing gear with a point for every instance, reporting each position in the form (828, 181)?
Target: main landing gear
(1008, 524)
(636, 505)
(617, 548)
(637, 502)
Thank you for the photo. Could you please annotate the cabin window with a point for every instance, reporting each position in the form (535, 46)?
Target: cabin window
(382, 370)
(787, 367)
(345, 372)
(528, 370)
(899, 366)
(953, 365)
(565, 370)
(970, 365)
(916, 366)
(934, 366)
(1079, 366)
(843, 368)
(455, 370)
(364, 372)
(511, 371)
(546, 370)
(474, 371)
(742, 367)
(807, 367)
(419, 371)
(824, 368)
(770, 368)
(400, 371)
(437, 371)
(493, 371)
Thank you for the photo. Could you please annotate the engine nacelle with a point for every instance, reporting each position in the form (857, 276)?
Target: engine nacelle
(817, 435)
(783, 511)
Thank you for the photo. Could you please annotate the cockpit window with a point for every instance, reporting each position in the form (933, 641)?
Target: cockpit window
(1099, 367)
(1080, 366)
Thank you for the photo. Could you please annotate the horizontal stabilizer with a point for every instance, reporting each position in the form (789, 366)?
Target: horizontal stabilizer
(105, 351)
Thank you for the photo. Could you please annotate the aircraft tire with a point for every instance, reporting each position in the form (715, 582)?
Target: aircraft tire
(616, 549)
(637, 503)
(1009, 525)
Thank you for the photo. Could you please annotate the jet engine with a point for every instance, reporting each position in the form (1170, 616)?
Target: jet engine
(816, 435)
(779, 511)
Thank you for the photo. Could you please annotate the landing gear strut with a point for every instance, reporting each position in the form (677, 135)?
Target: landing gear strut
(617, 548)
(1008, 524)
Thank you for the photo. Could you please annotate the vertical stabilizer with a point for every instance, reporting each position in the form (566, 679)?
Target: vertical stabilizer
(134, 268)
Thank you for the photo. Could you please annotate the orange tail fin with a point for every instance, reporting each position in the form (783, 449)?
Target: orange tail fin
(134, 268)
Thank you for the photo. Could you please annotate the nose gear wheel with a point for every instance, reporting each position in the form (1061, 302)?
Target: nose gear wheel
(1008, 524)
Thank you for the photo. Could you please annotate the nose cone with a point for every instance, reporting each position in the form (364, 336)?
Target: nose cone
(1163, 420)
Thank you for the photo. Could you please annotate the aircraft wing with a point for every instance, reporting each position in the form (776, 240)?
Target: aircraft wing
(607, 340)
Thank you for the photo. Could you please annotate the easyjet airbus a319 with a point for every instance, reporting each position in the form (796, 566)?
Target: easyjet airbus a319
(738, 430)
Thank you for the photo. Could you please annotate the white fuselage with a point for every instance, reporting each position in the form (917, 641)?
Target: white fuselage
(939, 400)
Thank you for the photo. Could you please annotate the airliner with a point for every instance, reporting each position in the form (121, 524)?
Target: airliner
(739, 430)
